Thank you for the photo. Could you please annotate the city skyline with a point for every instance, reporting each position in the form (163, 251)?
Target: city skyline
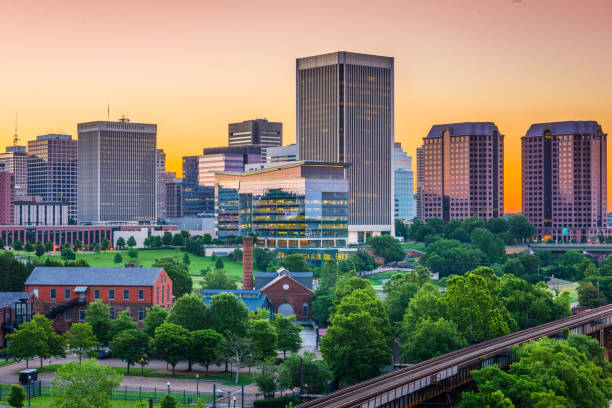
(500, 61)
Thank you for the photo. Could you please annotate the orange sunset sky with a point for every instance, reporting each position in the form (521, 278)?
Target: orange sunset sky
(193, 66)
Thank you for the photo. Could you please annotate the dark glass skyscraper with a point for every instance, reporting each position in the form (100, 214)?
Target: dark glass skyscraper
(345, 114)
(117, 171)
(197, 200)
(52, 170)
(256, 132)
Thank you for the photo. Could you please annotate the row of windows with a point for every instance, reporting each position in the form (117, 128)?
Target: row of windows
(111, 294)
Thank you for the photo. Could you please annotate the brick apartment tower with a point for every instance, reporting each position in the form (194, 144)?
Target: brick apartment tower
(7, 197)
(247, 263)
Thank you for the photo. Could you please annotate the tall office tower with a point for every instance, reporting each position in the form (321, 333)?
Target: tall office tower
(52, 170)
(420, 152)
(232, 158)
(174, 199)
(256, 132)
(564, 175)
(15, 160)
(403, 185)
(345, 114)
(7, 198)
(463, 171)
(281, 153)
(197, 200)
(116, 171)
(160, 171)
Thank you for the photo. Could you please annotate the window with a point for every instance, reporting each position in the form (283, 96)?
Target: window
(67, 293)
(112, 313)
(126, 294)
(67, 315)
(305, 310)
(52, 295)
(168, 295)
(141, 314)
(96, 294)
(35, 291)
(157, 295)
(111, 294)
(82, 314)
(140, 294)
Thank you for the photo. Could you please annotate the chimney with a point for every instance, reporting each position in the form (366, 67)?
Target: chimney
(247, 263)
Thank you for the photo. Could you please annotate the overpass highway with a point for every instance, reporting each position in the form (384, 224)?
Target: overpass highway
(410, 386)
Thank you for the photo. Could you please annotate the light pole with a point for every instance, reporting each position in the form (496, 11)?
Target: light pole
(234, 399)
(168, 384)
(198, 385)
(29, 391)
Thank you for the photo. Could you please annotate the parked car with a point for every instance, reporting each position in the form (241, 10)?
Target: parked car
(104, 352)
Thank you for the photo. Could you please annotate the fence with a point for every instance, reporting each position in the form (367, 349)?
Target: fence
(224, 399)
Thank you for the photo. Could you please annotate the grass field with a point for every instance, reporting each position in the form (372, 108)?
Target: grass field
(227, 379)
(414, 245)
(571, 288)
(147, 257)
(47, 402)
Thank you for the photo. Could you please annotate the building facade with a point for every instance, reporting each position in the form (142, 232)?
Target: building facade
(52, 170)
(38, 212)
(281, 153)
(403, 195)
(117, 171)
(7, 198)
(162, 179)
(15, 160)
(302, 204)
(258, 132)
(290, 292)
(15, 308)
(174, 199)
(197, 200)
(564, 178)
(463, 171)
(232, 158)
(345, 114)
(420, 152)
(65, 293)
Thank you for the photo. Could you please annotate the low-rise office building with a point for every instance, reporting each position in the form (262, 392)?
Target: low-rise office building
(15, 308)
(38, 212)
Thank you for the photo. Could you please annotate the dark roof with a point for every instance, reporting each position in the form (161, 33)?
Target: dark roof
(263, 278)
(252, 299)
(463, 129)
(580, 127)
(10, 298)
(93, 276)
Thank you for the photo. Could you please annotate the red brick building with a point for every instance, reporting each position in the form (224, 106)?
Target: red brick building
(65, 293)
(7, 197)
(289, 291)
(15, 308)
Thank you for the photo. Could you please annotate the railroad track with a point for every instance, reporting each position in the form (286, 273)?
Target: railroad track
(354, 395)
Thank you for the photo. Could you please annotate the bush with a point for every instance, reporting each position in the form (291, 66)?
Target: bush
(168, 402)
(16, 397)
(280, 402)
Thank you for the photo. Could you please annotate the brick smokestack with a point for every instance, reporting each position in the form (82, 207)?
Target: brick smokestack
(247, 263)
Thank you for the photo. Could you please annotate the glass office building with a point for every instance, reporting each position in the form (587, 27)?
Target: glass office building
(345, 114)
(197, 200)
(52, 170)
(117, 171)
(295, 205)
(404, 185)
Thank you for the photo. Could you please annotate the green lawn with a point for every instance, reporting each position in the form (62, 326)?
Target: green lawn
(571, 288)
(46, 402)
(227, 379)
(147, 257)
(413, 245)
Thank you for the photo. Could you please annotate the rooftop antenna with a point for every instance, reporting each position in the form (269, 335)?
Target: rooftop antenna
(16, 135)
(108, 112)
(124, 118)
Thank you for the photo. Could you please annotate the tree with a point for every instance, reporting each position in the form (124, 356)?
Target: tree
(97, 315)
(588, 295)
(399, 291)
(105, 244)
(81, 340)
(315, 373)
(265, 380)
(497, 225)
(218, 279)
(288, 334)
(262, 257)
(238, 348)
(39, 249)
(295, 263)
(154, 317)
(16, 396)
(219, 264)
(131, 242)
(124, 321)
(520, 227)
(263, 337)
(120, 243)
(118, 258)
(96, 247)
(171, 343)
(189, 311)
(67, 254)
(388, 247)
(178, 273)
(133, 253)
(235, 255)
(186, 259)
(35, 338)
(18, 245)
(206, 345)
(48, 246)
(431, 339)
(228, 314)
(84, 385)
(53, 342)
(321, 302)
(131, 346)
(489, 244)
(178, 240)
(168, 402)
(167, 238)
(78, 245)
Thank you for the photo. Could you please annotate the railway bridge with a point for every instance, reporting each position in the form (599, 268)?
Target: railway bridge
(414, 385)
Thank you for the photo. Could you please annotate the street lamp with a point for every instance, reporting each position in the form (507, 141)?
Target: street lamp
(168, 384)
(198, 385)
(234, 399)
(29, 391)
